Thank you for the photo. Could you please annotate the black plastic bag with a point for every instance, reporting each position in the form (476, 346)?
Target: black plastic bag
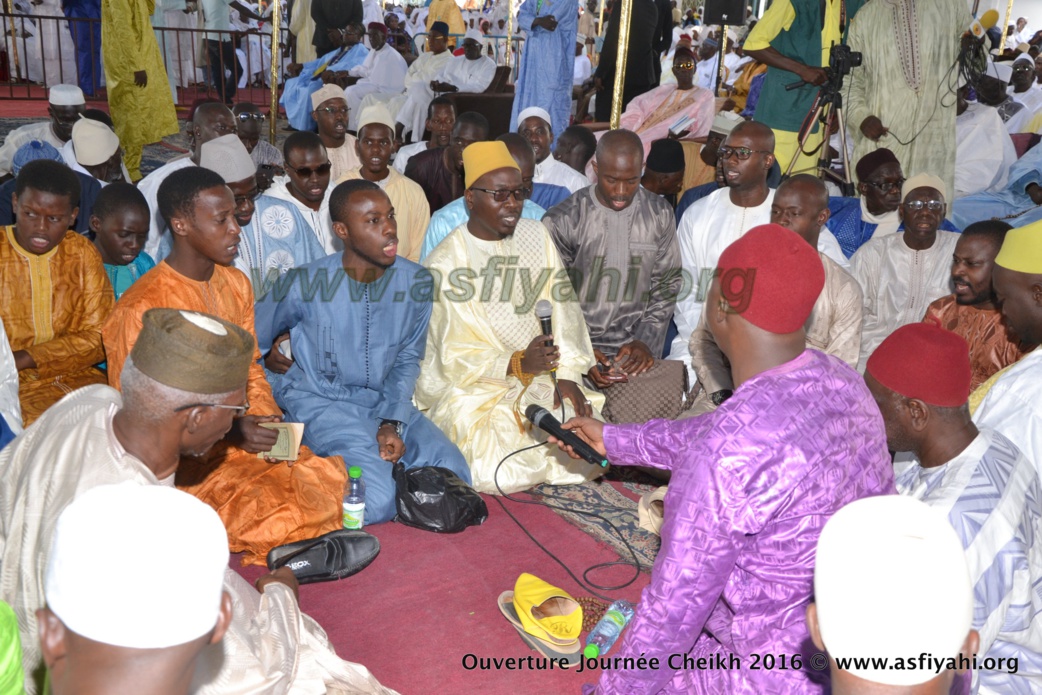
(435, 499)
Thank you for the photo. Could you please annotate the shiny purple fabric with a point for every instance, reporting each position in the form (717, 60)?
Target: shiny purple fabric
(752, 485)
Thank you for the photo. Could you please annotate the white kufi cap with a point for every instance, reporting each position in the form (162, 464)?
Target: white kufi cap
(166, 554)
(65, 95)
(891, 580)
(376, 113)
(533, 111)
(228, 157)
(93, 141)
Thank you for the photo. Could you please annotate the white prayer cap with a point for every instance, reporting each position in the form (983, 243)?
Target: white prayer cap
(228, 157)
(375, 113)
(166, 554)
(1004, 71)
(327, 92)
(1024, 58)
(66, 95)
(533, 111)
(93, 141)
(891, 580)
(924, 181)
(474, 34)
(724, 122)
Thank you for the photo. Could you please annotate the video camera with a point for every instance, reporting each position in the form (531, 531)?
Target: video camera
(842, 60)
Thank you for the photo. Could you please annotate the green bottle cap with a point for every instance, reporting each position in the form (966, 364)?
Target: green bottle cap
(355, 471)
(592, 651)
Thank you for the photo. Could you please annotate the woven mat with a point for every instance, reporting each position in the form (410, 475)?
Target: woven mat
(602, 498)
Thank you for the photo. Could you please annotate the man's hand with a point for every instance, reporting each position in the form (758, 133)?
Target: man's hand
(391, 446)
(873, 129)
(635, 358)
(276, 361)
(437, 86)
(293, 69)
(814, 76)
(603, 374)
(23, 360)
(571, 391)
(283, 575)
(540, 358)
(247, 434)
(335, 37)
(589, 430)
(549, 22)
(1033, 190)
(141, 78)
(266, 174)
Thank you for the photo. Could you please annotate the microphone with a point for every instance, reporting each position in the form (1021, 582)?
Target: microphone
(543, 311)
(979, 27)
(541, 418)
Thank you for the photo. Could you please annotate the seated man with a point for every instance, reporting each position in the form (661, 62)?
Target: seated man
(533, 124)
(120, 226)
(56, 293)
(263, 505)
(900, 274)
(444, 221)
(440, 171)
(866, 554)
(752, 483)
(575, 147)
(307, 78)
(383, 72)
(90, 187)
(920, 377)
(183, 383)
(800, 204)
(617, 229)
(441, 119)
(984, 152)
(266, 156)
(854, 221)
(331, 114)
(94, 150)
(306, 185)
(470, 72)
(375, 144)
(274, 237)
(664, 170)
(351, 384)
(417, 84)
(486, 359)
(1019, 201)
(115, 634)
(701, 169)
(65, 103)
(971, 312)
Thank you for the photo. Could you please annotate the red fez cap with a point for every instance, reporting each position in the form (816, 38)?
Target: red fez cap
(379, 26)
(771, 277)
(925, 362)
(872, 161)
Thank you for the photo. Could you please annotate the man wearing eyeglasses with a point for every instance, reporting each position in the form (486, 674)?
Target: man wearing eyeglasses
(487, 359)
(901, 274)
(266, 156)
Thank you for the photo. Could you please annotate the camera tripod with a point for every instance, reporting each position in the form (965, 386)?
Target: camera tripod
(828, 109)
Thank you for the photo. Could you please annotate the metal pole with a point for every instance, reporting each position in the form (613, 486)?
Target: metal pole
(720, 60)
(510, 30)
(620, 61)
(276, 60)
(1005, 27)
(14, 43)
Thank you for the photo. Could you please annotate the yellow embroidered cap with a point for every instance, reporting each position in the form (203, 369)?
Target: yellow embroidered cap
(483, 157)
(1022, 249)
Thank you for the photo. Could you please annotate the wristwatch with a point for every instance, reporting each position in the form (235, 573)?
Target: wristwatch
(718, 397)
(395, 424)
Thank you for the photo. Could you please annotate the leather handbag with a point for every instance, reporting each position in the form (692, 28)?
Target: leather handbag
(659, 393)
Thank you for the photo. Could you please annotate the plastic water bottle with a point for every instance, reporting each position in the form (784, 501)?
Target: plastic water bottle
(354, 500)
(607, 630)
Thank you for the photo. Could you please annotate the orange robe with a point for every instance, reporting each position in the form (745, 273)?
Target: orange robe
(53, 308)
(992, 346)
(263, 505)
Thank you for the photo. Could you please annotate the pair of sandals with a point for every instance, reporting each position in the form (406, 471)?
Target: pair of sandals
(547, 618)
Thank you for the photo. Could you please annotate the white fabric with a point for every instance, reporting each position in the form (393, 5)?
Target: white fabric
(536, 112)
(899, 283)
(406, 153)
(581, 70)
(411, 109)
(382, 71)
(65, 95)
(227, 157)
(1030, 98)
(887, 223)
(55, 49)
(149, 187)
(866, 553)
(10, 406)
(94, 141)
(19, 136)
(558, 173)
(120, 608)
(1013, 406)
(468, 75)
(320, 220)
(984, 152)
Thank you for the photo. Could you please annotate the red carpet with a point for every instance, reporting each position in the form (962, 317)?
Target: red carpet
(428, 600)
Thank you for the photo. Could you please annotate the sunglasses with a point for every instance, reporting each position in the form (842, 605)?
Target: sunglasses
(685, 66)
(931, 205)
(306, 172)
(250, 116)
(742, 153)
(501, 195)
(886, 186)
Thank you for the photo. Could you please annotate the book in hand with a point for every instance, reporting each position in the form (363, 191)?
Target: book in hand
(683, 123)
(288, 445)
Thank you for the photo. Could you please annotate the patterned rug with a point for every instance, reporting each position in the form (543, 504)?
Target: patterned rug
(615, 508)
(153, 157)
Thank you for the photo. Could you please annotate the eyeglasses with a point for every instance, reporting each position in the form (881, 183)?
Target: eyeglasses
(742, 153)
(886, 186)
(1023, 67)
(685, 66)
(306, 172)
(931, 205)
(250, 116)
(501, 195)
(339, 111)
(252, 195)
(240, 410)
(224, 129)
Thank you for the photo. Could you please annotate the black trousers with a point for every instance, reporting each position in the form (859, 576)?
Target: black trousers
(222, 57)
